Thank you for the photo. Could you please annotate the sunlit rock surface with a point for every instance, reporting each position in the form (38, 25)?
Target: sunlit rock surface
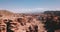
(19, 22)
(12, 22)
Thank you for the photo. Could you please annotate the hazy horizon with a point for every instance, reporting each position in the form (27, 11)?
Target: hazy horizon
(29, 6)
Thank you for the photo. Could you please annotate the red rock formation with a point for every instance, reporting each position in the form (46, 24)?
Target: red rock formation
(15, 22)
(10, 22)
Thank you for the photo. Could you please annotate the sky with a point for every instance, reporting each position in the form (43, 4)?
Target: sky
(29, 6)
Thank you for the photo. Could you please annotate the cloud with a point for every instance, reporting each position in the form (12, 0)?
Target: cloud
(30, 10)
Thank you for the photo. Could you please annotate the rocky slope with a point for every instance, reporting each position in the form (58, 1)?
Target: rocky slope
(13, 22)
(19, 22)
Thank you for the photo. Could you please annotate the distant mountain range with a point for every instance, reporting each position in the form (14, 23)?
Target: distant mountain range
(6, 12)
(53, 12)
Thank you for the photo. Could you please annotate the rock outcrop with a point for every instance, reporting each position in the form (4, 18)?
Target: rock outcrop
(19, 22)
(12, 22)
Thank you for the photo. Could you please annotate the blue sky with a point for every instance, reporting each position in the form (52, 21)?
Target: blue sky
(27, 6)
